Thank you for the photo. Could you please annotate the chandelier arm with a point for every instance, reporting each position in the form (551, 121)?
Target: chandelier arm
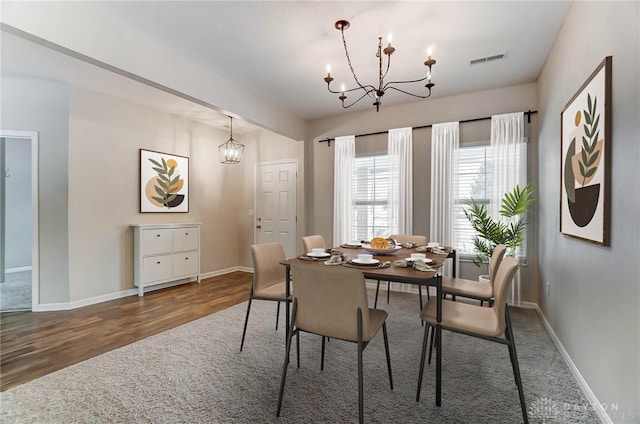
(382, 77)
(410, 94)
(388, 85)
(346, 52)
(361, 97)
(367, 88)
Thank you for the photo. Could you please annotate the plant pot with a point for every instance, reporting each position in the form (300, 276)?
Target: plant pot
(484, 279)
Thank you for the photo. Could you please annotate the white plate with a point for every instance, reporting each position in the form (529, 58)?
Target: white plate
(318, 255)
(389, 251)
(353, 244)
(425, 260)
(369, 262)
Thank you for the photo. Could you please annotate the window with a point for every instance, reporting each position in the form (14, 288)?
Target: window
(473, 166)
(474, 182)
(370, 213)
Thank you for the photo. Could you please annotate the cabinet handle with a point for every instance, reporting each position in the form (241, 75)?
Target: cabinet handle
(157, 235)
(186, 259)
(158, 263)
(186, 234)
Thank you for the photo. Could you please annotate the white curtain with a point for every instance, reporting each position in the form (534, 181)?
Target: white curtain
(509, 168)
(445, 141)
(344, 160)
(400, 147)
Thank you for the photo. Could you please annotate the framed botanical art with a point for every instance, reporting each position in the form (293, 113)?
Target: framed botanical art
(164, 182)
(585, 186)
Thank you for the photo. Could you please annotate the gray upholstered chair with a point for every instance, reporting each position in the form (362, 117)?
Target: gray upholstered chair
(404, 238)
(268, 278)
(332, 302)
(313, 242)
(477, 321)
(473, 289)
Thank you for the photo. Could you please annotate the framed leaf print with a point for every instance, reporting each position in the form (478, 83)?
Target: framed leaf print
(585, 187)
(164, 182)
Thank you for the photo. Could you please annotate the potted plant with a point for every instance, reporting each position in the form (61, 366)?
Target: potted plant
(508, 231)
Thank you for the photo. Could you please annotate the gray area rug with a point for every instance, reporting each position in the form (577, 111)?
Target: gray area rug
(195, 373)
(15, 292)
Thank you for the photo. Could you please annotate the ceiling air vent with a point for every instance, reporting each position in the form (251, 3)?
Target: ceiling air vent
(487, 59)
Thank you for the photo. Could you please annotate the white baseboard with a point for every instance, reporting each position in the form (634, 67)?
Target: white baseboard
(591, 397)
(19, 269)
(65, 306)
(226, 271)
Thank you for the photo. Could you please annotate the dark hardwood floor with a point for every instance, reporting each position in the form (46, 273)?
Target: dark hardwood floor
(34, 344)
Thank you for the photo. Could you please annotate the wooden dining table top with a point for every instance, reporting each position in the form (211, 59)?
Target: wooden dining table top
(390, 273)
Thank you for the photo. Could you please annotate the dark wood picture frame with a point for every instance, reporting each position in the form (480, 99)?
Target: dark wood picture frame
(585, 159)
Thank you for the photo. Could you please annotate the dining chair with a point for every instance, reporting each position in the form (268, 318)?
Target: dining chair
(332, 302)
(313, 242)
(268, 278)
(473, 289)
(402, 239)
(478, 321)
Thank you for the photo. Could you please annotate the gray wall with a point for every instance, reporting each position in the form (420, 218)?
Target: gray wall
(30, 104)
(18, 203)
(468, 106)
(594, 306)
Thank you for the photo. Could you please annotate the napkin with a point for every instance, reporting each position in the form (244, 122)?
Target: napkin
(439, 251)
(335, 260)
(409, 245)
(419, 265)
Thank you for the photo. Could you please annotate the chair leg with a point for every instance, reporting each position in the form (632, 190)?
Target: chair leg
(277, 315)
(514, 363)
(375, 304)
(360, 373)
(388, 290)
(246, 320)
(424, 351)
(286, 356)
(386, 350)
(431, 343)
(322, 355)
(298, 348)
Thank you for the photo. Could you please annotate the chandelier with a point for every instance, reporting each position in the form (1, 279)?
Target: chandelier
(376, 92)
(231, 151)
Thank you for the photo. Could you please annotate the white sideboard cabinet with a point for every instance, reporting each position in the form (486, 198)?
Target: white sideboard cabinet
(164, 253)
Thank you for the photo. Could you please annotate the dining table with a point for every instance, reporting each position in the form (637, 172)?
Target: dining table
(386, 270)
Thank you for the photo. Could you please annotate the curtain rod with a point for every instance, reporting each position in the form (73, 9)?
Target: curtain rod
(329, 140)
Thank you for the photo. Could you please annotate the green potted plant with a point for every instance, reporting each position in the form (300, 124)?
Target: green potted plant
(490, 232)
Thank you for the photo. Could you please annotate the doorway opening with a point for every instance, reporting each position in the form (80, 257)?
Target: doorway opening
(19, 256)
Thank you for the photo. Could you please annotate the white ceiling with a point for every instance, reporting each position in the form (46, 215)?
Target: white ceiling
(279, 50)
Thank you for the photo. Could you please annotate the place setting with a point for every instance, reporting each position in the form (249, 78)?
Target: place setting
(368, 261)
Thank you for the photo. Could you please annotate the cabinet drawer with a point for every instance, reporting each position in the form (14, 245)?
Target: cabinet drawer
(155, 268)
(185, 239)
(156, 240)
(185, 264)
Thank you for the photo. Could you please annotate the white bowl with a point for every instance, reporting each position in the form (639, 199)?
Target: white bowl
(418, 256)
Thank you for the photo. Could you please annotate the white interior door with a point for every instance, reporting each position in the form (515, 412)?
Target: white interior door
(275, 208)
